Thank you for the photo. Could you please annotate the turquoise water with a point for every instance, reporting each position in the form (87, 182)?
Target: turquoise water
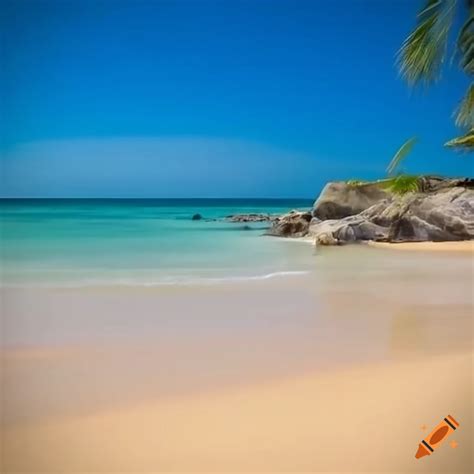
(143, 242)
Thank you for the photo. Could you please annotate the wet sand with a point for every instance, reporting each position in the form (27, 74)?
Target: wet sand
(336, 370)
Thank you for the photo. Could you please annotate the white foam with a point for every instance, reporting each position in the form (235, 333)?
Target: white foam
(160, 281)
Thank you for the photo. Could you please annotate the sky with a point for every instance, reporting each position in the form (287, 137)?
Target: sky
(199, 98)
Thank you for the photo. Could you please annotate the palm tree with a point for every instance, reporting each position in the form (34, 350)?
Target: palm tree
(423, 54)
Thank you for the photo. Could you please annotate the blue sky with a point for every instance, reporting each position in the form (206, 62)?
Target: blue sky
(212, 98)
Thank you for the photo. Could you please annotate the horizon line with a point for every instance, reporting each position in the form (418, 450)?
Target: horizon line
(3, 198)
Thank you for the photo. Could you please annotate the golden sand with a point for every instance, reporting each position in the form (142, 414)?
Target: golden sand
(465, 246)
(359, 420)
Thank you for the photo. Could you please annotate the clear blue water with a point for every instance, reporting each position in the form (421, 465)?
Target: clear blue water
(143, 242)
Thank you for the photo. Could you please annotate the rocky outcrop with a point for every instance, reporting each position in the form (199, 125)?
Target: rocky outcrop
(196, 217)
(250, 218)
(446, 214)
(341, 199)
(293, 224)
(442, 210)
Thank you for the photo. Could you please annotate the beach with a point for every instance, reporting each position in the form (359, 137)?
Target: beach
(465, 246)
(237, 236)
(359, 420)
(335, 369)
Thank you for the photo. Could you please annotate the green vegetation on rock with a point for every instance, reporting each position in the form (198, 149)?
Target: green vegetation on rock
(402, 184)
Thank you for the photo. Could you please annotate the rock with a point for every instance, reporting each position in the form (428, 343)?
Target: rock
(437, 183)
(293, 224)
(250, 218)
(196, 217)
(341, 199)
(325, 239)
(446, 214)
(349, 229)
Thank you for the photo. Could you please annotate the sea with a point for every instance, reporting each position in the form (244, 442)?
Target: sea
(144, 242)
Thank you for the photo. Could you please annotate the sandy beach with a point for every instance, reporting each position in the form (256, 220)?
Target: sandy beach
(465, 246)
(336, 370)
(367, 419)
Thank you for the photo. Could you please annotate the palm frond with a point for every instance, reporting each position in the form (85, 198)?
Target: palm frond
(465, 111)
(465, 142)
(403, 184)
(402, 152)
(422, 54)
(465, 42)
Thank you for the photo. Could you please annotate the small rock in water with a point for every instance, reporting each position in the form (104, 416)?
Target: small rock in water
(250, 218)
(196, 217)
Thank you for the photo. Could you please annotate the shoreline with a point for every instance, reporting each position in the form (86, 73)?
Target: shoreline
(462, 246)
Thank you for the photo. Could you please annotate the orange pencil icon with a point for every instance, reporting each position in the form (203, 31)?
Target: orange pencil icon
(436, 437)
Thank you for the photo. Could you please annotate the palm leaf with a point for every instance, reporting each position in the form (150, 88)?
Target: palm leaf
(465, 142)
(465, 42)
(465, 111)
(422, 54)
(402, 152)
(403, 184)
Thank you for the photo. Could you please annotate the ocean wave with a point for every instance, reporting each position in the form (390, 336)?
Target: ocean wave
(160, 281)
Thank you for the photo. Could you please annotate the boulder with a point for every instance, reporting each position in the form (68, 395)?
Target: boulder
(340, 199)
(196, 217)
(349, 229)
(446, 214)
(293, 224)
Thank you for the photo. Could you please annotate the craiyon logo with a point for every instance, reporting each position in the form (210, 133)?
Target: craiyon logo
(437, 436)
